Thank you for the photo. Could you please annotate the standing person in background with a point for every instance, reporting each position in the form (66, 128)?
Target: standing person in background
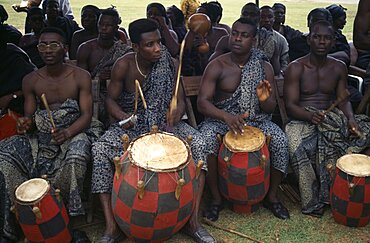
(89, 21)
(189, 7)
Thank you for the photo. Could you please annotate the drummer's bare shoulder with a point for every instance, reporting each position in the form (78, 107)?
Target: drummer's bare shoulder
(123, 65)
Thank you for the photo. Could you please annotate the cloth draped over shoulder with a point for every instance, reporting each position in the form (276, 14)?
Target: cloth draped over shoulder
(117, 50)
(313, 147)
(28, 156)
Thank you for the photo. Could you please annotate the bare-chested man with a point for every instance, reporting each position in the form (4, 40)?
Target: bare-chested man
(152, 65)
(89, 20)
(62, 153)
(318, 137)
(236, 90)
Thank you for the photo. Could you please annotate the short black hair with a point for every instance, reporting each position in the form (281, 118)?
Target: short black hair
(336, 11)
(112, 12)
(278, 5)
(322, 23)
(179, 15)
(3, 14)
(266, 7)
(323, 11)
(141, 26)
(54, 30)
(94, 8)
(212, 11)
(249, 22)
(249, 5)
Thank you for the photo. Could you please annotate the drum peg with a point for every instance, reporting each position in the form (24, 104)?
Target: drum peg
(180, 184)
(25, 240)
(351, 188)
(125, 141)
(57, 194)
(117, 165)
(330, 169)
(154, 129)
(263, 161)
(219, 138)
(37, 212)
(349, 151)
(199, 167)
(268, 140)
(45, 177)
(14, 210)
(189, 139)
(227, 161)
(140, 188)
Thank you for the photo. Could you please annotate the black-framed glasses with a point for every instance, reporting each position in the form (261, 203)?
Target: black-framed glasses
(42, 47)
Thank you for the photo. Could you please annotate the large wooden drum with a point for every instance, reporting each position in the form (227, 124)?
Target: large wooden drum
(350, 191)
(154, 191)
(41, 212)
(244, 169)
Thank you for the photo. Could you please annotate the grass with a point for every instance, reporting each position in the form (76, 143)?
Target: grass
(260, 225)
(297, 11)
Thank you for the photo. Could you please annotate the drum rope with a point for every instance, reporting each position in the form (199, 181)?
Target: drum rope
(174, 179)
(351, 184)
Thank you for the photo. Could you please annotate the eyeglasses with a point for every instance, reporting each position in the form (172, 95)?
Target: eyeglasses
(42, 47)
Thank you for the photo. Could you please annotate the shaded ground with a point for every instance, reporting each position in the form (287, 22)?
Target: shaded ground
(263, 226)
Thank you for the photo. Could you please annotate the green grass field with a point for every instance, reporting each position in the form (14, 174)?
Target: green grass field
(130, 10)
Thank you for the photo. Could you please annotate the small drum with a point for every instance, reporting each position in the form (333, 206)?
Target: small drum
(154, 191)
(244, 169)
(350, 191)
(41, 212)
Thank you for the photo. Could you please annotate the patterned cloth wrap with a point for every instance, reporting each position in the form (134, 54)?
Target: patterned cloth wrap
(157, 88)
(245, 99)
(312, 147)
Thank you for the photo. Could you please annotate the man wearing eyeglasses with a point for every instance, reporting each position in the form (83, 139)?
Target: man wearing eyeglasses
(60, 142)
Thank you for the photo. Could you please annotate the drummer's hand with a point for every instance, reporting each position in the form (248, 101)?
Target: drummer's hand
(263, 90)
(317, 117)
(60, 135)
(236, 123)
(23, 124)
(353, 127)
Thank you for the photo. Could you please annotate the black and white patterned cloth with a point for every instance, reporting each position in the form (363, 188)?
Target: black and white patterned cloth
(245, 99)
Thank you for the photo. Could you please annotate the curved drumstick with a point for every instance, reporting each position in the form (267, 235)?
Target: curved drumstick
(173, 104)
(141, 93)
(46, 105)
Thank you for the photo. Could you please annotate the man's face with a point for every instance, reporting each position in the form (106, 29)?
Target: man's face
(36, 22)
(51, 48)
(252, 13)
(107, 27)
(267, 18)
(279, 15)
(89, 19)
(340, 22)
(321, 40)
(241, 39)
(149, 46)
(52, 11)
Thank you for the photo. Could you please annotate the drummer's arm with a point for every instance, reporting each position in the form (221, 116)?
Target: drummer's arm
(269, 105)
(120, 68)
(207, 91)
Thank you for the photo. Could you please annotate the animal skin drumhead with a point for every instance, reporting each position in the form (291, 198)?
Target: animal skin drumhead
(355, 164)
(32, 190)
(252, 140)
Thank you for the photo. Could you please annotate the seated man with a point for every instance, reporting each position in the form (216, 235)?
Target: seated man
(62, 153)
(233, 85)
(317, 135)
(279, 22)
(152, 65)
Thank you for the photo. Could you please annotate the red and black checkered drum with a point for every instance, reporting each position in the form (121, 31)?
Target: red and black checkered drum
(154, 191)
(350, 191)
(244, 169)
(41, 212)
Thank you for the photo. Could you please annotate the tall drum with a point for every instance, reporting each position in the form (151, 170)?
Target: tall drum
(350, 191)
(154, 191)
(41, 212)
(244, 169)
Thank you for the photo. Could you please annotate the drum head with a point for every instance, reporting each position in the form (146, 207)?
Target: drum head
(32, 190)
(159, 152)
(252, 140)
(355, 164)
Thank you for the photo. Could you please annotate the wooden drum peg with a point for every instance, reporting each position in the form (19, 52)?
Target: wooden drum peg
(37, 212)
(154, 129)
(57, 194)
(263, 161)
(268, 140)
(125, 141)
(219, 138)
(45, 177)
(199, 167)
(330, 168)
(189, 139)
(351, 188)
(117, 164)
(180, 184)
(140, 189)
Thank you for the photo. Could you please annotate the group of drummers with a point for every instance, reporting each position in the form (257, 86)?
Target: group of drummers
(149, 167)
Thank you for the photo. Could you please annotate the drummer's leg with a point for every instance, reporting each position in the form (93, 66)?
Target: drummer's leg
(279, 165)
(107, 147)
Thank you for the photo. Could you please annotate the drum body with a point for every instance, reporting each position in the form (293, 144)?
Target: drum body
(161, 207)
(350, 191)
(244, 169)
(41, 212)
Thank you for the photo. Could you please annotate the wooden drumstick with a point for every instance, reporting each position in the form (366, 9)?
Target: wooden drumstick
(117, 165)
(173, 104)
(46, 105)
(141, 94)
(337, 101)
